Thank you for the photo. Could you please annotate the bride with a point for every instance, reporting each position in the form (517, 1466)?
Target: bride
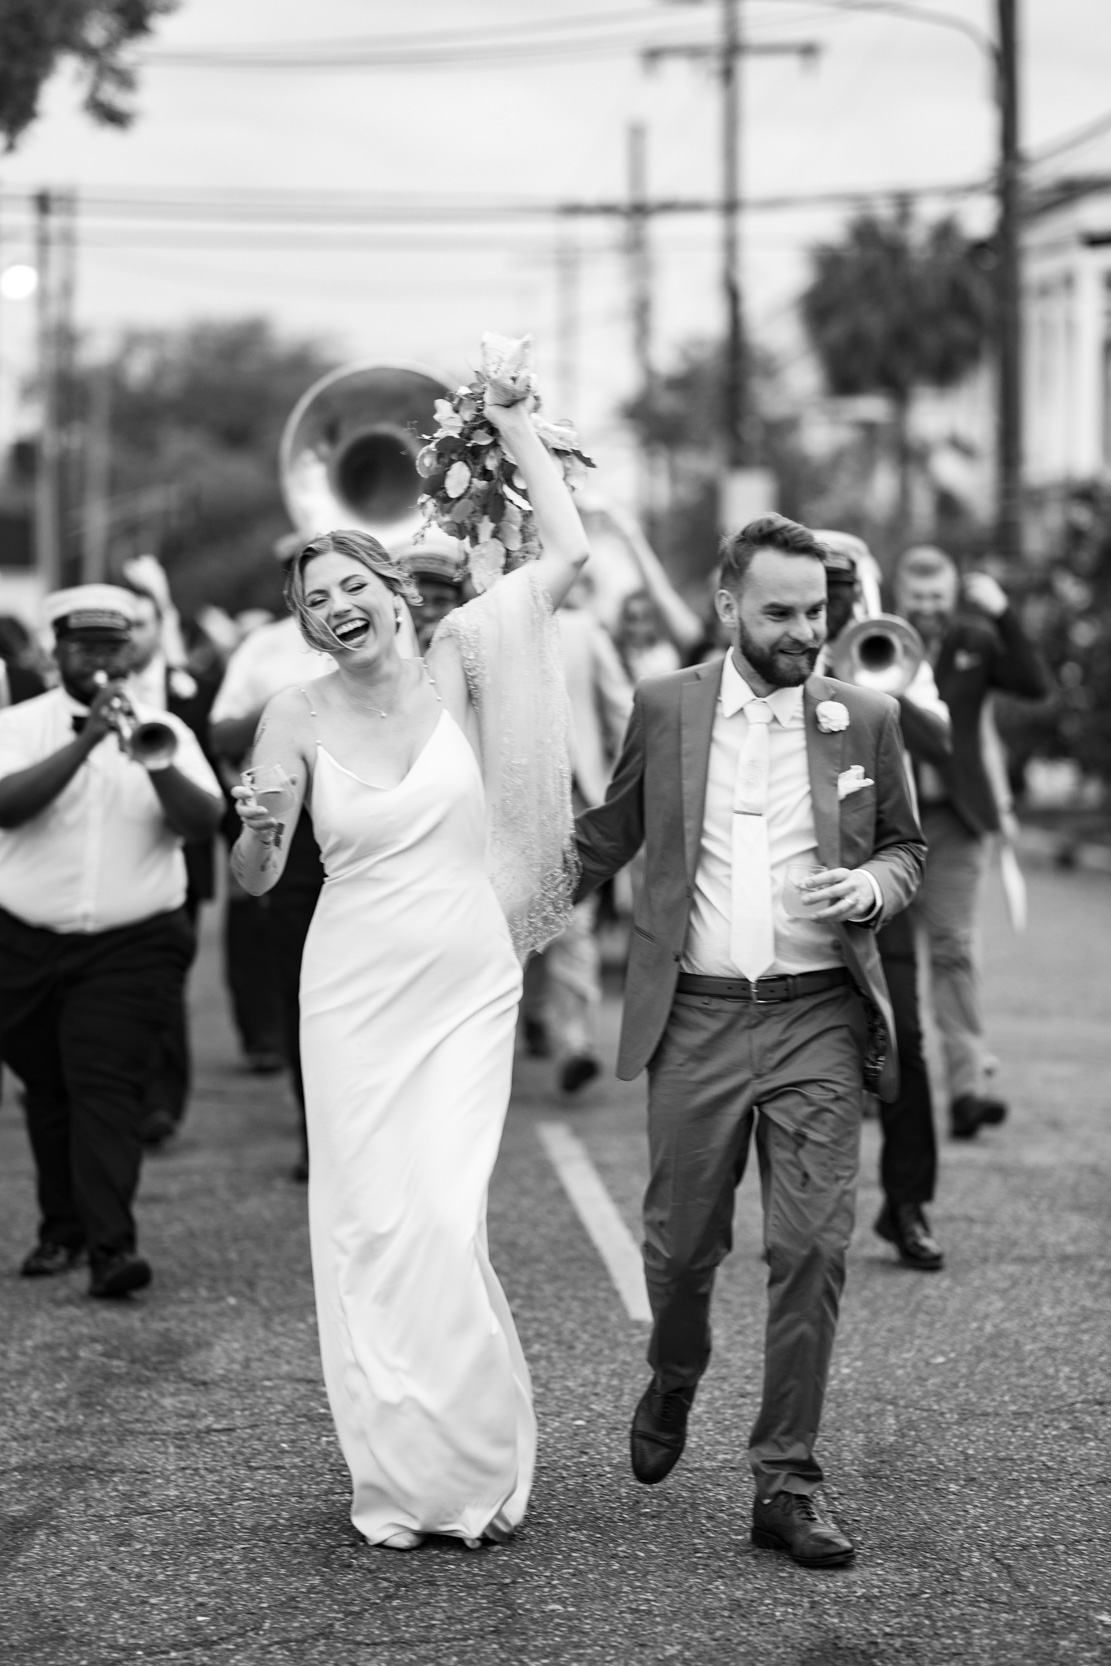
(440, 796)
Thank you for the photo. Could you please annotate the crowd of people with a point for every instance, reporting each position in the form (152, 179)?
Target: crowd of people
(798, 859)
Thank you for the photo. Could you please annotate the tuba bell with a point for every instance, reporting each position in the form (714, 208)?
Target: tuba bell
(882, 653)
(348, 451)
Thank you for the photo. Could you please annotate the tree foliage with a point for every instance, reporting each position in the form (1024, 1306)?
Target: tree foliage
(895, 306)
(199, 411)
(35, 35)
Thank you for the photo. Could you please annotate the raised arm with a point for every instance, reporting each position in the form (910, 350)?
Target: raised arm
(283, 738)
(564, 549)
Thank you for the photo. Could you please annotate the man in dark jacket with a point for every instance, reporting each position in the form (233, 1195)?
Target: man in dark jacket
(972, 654)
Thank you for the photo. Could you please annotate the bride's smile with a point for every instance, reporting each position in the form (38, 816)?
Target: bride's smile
(353, 605)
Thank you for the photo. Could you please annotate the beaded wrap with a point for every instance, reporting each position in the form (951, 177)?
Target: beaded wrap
(509, 645)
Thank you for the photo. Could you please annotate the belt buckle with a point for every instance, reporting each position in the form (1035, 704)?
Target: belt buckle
(757, 1001)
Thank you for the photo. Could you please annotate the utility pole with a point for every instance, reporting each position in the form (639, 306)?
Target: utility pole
(1009, 516)
(735, 413)
(636, 246)
(96, 483)
(746, 491)
(47, 543)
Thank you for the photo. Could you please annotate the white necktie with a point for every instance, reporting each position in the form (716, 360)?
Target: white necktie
(752, 936)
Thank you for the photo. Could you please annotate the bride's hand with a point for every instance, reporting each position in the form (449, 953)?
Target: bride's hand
(253, 816)
(502, 414)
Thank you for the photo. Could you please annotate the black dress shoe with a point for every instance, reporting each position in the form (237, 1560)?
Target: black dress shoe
(796, 1522)
(158, 1126)
(118, 1275)
(46, 1259)
(905, 1225)
(576, 1071)
(659, 1432)
(537, 1042)
(970, 1112)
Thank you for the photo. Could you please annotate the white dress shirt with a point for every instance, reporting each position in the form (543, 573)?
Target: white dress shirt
(102, 853)
(274, 657)
(800, 945)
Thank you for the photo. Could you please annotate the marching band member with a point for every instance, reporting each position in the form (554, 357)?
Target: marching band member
(94, 938)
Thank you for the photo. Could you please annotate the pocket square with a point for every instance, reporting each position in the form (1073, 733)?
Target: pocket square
(851, 780)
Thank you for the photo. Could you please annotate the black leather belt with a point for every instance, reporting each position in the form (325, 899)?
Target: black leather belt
(764, 992)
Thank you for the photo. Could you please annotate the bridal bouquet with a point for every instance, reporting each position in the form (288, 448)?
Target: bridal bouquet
(473, 489)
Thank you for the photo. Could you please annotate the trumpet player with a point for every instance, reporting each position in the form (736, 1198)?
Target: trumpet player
(908, 1153)
(97, 796)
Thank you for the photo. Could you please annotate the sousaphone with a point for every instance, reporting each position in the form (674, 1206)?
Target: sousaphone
(348, 451)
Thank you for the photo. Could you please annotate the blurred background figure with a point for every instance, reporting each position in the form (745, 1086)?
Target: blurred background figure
(23, 670)
(908, 1147)
(161, 679)
(972, 652)
(94, 938)
(639, 638)
(438, 565)
(563, 985)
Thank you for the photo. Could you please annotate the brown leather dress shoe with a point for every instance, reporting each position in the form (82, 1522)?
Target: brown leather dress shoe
(905, 1225)
(797, 1523)
(659, 1432)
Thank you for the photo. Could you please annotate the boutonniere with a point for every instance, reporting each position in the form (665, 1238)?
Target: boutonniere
(832, 716)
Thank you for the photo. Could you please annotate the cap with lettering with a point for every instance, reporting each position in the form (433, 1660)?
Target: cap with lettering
(94, 610)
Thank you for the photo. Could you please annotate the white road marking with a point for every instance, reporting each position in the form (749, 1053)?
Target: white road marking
(598, 1213)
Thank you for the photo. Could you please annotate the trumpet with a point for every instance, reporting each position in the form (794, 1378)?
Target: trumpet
(884, 653)
(151, 744)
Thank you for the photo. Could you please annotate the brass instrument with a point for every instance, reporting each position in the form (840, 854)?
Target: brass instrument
(882, 653)
(151, 744)
(348, 451)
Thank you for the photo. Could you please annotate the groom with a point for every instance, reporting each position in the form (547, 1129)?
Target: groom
(746, 995)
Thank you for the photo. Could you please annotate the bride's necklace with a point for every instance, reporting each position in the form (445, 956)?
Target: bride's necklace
(435, 690)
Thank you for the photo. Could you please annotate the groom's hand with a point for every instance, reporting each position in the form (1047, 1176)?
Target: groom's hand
(838, 894)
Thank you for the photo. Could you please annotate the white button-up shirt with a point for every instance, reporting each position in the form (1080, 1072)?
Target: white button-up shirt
(102, 853)
(800, 945)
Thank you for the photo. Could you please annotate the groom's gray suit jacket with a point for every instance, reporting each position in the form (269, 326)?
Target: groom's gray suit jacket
(657, 798)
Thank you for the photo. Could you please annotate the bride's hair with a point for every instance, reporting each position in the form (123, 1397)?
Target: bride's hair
(360, 546)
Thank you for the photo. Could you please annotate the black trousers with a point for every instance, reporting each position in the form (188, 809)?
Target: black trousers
(80, 1016)
(908, 1154)
(292, 905)
(172, 1071)
(249, 972)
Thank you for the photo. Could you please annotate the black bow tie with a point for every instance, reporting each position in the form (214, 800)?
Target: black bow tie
(79, 721)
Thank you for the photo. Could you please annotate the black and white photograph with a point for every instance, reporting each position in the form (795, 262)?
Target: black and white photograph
(555, 832)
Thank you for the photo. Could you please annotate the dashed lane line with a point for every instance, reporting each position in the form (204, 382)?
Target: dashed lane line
(599, 1215)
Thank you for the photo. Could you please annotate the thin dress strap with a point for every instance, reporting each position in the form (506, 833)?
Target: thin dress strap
(308, 699)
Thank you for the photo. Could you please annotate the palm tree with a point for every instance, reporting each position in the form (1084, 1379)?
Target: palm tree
(893, 307)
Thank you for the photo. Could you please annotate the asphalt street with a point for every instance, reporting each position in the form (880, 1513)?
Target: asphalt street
(172, 1488)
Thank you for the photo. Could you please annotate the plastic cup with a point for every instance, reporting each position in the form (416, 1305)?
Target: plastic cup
(272, 787)
(797, 876)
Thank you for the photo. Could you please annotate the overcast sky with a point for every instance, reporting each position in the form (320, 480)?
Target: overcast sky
(891, 102)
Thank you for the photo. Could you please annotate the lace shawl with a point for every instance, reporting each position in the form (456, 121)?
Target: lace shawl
(509, 645)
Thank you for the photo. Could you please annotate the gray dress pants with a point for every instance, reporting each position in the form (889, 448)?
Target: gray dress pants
(792, 1073)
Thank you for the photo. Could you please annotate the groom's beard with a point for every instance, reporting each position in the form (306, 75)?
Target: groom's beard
(785, 666)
